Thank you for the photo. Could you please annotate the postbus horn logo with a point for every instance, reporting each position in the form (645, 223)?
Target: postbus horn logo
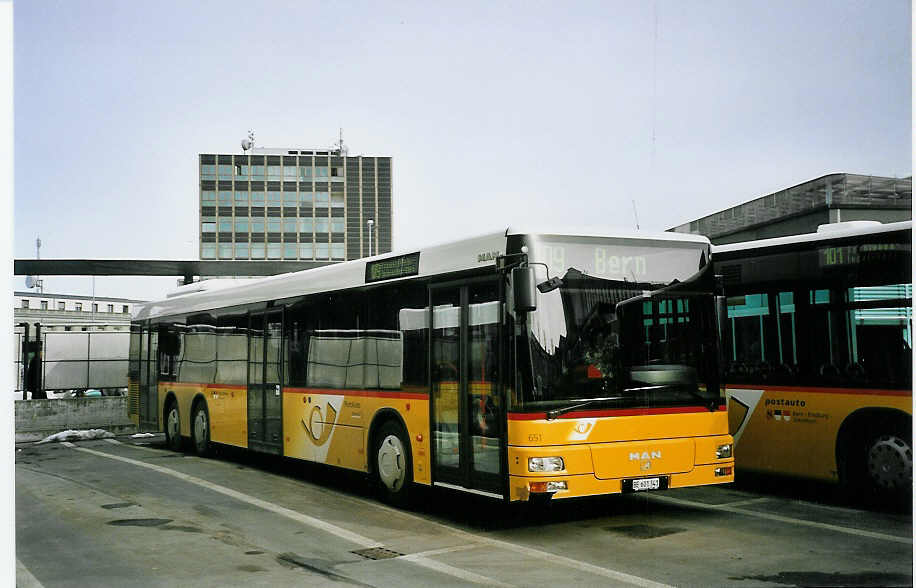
(326, 424)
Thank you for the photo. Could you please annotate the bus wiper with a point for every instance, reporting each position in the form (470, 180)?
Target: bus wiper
(709, 403)
(552, 414)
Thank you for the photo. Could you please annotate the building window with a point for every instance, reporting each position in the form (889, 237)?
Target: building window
(78, 307)
(336, 172)
(257, 198)
(257, 172)
(306, 198)
(25, 303)
(337, 200)
(44, 305)
(321, 251)
(337, 225)
(289, 173)
(225, 251)
(208, 197)
(337, 250)
(274, 199)
(321, 199)
(225, 198)
(274, 172)
(257, 225)
(289, 225)
(290, 198)
(225, 225)
(125, 309)
(95, 308)
(241, 227)
(208, 251)
(305, 226)
(305, 174)
(208, 227)
(290, 250)
(208, 171)
(257, 251)
(111, 308)
(241, 198)
(306, 250)
(61, 305)
(241, 171)
(274, 250)
(273, 225)
(322, 225)
(241, 250)
(225, 172)
(321, 172)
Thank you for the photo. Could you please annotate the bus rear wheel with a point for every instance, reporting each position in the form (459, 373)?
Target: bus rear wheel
(200, 429)
(172, 427)
(393, 467)
(889, 465)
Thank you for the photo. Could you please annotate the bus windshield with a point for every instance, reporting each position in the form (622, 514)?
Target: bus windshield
(612, 342)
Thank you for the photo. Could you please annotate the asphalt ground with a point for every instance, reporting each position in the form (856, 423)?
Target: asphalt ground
(129, 512)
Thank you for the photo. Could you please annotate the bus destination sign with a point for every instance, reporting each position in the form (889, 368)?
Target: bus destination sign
(393, 267)
(869, 253)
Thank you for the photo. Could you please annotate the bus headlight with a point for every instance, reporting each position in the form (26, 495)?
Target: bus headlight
(545, 464)
(723, 451)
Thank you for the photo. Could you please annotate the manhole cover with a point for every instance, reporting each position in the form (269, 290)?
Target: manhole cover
(644, 531)
(377, 553)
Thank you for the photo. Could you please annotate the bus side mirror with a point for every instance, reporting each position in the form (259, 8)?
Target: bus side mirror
(523, 289)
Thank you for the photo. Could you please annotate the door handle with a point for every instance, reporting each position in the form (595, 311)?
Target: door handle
(277, 390)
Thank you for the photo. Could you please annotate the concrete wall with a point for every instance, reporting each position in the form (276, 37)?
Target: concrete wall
(36, 419)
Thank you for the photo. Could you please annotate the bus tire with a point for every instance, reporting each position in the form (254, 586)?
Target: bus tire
(888, 464)
(172, 426)
(392, 463)
(200, 429)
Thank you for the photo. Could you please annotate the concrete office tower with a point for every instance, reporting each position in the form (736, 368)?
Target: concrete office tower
(294, 204)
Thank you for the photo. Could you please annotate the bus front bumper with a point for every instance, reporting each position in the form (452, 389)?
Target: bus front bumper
(527, 487)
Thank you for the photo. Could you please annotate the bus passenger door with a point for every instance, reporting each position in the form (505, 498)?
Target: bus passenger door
(265, 402)
(467, 410)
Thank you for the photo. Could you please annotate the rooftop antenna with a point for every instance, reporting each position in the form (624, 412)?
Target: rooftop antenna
(248, 143)
(340, 144)
(36, 281)
(635, 215)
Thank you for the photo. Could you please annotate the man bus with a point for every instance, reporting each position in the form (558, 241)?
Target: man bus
(514, 365)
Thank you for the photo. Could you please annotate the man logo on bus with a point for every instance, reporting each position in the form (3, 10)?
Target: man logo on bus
(322, 426)
(636, 456)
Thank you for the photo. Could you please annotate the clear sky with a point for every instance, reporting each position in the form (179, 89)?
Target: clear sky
(495, 113)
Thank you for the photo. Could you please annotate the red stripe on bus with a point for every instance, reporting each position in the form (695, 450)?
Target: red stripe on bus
(584, 414)
(363, 393)
(816, 390)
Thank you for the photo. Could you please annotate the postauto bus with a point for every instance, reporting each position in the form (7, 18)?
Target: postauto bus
(516, 365)
(818, 356)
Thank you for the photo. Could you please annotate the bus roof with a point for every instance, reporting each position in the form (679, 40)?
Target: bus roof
(834, 231)
(467, 254)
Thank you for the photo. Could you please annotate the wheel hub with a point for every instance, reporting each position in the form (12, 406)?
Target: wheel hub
(200, 426)
(890, 462)
(391, 466)
(173, 423)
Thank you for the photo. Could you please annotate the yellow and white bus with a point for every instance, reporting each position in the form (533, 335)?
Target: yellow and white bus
(515, 365)
(819, 355)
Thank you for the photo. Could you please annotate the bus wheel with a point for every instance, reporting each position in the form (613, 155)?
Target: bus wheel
(172, 427)
(393, 467)
(200, 429)
(889, 465)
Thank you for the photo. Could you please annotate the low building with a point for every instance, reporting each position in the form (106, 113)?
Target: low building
(801, 209)
(67, 312)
